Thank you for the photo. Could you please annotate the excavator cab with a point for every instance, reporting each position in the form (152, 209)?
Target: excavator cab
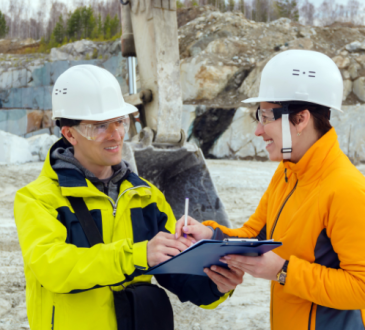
(160, 152)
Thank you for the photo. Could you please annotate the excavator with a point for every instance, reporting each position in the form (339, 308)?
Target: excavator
(159, 152)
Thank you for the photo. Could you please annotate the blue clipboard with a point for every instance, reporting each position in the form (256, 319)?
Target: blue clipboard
(206, 253)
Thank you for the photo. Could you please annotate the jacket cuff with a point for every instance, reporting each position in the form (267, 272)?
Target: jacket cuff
(140, 255)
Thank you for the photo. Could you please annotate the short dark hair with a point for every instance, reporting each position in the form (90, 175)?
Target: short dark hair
(67, 122)
(321, 115)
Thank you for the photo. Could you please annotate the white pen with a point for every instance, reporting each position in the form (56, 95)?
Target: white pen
(186, 213)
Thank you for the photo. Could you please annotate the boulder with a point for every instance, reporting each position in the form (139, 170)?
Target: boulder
(359, 88)
(354, 70)
(342, 62)
(347, 89)
(14, 149)
(239, 140)
(355, 46)
(200, 80)
(58, 55)
(40, 144)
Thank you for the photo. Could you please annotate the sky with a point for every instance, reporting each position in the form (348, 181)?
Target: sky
(4, 4)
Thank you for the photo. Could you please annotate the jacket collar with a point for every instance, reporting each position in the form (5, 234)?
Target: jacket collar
(314, 162)
(73, 182)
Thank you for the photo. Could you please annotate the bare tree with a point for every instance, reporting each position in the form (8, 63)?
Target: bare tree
(307, 13)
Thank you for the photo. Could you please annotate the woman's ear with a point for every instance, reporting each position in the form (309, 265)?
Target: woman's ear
(302, 120)
(67, 133)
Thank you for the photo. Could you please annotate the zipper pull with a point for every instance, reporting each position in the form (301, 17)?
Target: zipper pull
(114, 211)
(286, 178)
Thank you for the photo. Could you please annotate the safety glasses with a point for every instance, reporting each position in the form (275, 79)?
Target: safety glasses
(100, 131)
(267, 116)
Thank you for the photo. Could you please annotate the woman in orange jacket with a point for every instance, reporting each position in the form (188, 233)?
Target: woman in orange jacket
(314, 205)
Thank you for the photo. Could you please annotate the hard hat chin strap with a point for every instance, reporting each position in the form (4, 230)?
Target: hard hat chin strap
(287, 143)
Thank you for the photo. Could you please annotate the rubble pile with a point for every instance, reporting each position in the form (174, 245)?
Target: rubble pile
(223, 54)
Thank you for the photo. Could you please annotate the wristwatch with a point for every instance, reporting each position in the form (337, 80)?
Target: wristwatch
(281, 276)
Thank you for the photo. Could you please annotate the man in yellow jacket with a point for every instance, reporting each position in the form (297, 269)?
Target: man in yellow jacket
(314, 205)
(69, 283)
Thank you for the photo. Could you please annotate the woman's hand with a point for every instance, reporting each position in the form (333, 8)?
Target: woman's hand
(194, 229)
(225, 279)
(266, 266)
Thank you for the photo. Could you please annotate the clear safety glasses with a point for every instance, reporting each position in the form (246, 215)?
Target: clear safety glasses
(267, 116)
(100, 131)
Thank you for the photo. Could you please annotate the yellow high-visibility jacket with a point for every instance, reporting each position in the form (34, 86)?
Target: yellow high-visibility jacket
(319, 215)
(67, 282)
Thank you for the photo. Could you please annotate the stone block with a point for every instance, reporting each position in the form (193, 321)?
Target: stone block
(15, 99)
(20, 78)
(187, 118)
(14, 149)
(6, 79)
(239, 140)
(42, 76)
(58, 68)
(47, 101)
(47, 119)
(349, 127)
(13, 121)
(35, 118)
(33, 97)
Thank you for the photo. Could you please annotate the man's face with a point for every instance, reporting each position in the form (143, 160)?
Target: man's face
(105, 150)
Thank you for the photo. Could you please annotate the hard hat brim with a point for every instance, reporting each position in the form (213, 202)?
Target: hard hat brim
(262, 99)
(126, 110)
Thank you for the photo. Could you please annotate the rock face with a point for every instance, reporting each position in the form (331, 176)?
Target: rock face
(14, 149)
(40, 145)
(238, 141)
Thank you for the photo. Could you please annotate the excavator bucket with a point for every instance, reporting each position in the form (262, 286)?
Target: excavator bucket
(159, 152)
(180, 172)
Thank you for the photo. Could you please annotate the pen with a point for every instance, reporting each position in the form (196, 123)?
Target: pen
(186, 213)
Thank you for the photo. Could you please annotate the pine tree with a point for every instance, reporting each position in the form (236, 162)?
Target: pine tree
(231, 4)
(74, 25)
(4, 29)
(107, 27)
(287, 8)
(59, 30)
(114, 26)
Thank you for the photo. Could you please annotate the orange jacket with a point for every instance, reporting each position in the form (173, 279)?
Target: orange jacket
(319, 215)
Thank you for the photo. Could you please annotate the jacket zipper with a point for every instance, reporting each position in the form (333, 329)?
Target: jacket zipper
(115, 205)
(281, 209)
(53, 312)
(271, 234)
(310, 318)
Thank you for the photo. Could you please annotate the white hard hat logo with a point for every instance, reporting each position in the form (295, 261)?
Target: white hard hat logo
(311, 74)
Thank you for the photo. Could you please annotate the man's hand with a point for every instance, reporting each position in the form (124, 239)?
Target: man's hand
(164, 246)
(225, 279)
(266, 266)
(194, 229)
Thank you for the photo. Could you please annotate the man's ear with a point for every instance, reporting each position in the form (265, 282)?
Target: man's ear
(302, 120)
(68, 134)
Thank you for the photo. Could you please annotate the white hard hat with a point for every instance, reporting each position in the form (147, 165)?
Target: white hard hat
(88, 92)
(301, 75)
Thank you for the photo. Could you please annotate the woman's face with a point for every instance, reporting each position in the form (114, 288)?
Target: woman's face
(272, 134)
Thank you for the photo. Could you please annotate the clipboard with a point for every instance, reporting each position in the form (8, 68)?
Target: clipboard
(206, 253)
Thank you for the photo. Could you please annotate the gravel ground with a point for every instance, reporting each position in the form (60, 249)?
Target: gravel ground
(240, 185)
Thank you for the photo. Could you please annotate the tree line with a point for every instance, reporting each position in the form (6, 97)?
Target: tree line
(100, 19)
